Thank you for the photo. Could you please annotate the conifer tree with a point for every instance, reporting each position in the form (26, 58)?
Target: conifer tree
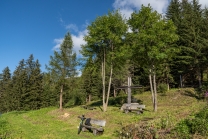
(6, 98)
(63, 65)
(19, 81)
(35, 82)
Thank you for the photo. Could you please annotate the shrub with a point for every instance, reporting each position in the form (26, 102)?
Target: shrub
(183, 130)
(198, 125)
(162, 88)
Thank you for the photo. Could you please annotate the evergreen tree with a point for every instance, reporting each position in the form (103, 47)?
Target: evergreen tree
(19, 81)
(49, 95)
(6, 98)
(63, 65)
(91, 81)
(35, 88)
(188, 64)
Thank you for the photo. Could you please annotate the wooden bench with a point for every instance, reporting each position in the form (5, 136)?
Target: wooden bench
(93, 125)
(133, 107)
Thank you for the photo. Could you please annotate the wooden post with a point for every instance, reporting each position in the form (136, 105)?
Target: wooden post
(129, 90)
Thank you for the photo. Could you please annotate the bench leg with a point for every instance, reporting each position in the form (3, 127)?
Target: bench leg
(84, 129)
(94, 131)
(79, 128)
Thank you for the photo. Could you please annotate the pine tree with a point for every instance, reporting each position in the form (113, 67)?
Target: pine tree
(19, 81)
(188, 64)
(6, 98)
(36, 89)
(63, 65)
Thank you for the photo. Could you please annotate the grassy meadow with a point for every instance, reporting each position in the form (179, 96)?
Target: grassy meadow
(52, 123)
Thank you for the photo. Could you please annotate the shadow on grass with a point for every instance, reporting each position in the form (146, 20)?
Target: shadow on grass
(193, 92)
(19, 112)
(116, 101)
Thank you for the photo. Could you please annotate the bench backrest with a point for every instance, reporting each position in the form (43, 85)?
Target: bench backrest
(132, 106)
(98, 122)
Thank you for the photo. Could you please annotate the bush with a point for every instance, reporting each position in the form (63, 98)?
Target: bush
(143, 131)
(162, 88)
(198, 125)
(183, 130)
(118, 101)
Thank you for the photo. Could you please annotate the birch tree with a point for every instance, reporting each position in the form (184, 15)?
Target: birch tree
(103, 44)
(150, 37)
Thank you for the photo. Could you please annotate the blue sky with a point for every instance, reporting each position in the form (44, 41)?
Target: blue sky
(38, 26)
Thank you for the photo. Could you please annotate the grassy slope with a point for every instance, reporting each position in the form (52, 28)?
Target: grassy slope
(51, 123)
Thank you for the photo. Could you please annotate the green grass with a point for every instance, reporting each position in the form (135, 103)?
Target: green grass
(51, 123)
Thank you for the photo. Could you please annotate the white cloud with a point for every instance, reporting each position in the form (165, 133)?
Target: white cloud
(58, 43)
(76, 38)
(203, 3)
(72, 27)
(128, 6)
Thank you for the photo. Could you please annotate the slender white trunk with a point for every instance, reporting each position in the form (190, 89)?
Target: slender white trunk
(103, 77)
(151, 87)
(155, 92)
(109, 86)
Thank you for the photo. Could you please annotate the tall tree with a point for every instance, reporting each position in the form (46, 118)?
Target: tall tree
(63, 65)
(19, 81)
(103, 43)
(150, 38)
(192, 41)
(36, 88)
(91, 80)
(5, 88)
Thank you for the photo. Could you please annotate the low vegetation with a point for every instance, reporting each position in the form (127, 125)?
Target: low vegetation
(180, 115)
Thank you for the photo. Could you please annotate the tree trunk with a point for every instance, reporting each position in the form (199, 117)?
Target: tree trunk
(199, 78)
(109, 86)
(114, 92)
(90, 97)
(167, 78)
(61, 97)
(155, 92)
(151, 87)
(181, 82)
(103, 79)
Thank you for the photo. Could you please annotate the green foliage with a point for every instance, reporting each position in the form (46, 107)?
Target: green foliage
(191, 60)
(104, 47)
(4, 128)
(199, 125)
(118, 101)
(142, 130)
(62, 66)
(162, 88)
(183, 129)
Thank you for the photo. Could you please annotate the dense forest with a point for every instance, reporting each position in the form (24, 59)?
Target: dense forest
(155, 50)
